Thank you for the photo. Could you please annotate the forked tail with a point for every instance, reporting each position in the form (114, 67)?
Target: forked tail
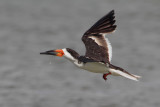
(119, 71)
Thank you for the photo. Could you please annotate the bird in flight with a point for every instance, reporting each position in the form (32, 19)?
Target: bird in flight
(98, 54)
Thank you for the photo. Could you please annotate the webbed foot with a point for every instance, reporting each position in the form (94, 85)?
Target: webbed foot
(105, 76)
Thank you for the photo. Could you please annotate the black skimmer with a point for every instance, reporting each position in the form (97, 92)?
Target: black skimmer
(98, 50)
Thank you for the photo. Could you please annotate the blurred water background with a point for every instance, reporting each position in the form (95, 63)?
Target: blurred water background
(28, 79)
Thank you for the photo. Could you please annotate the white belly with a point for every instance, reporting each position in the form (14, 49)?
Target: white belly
(95, 67)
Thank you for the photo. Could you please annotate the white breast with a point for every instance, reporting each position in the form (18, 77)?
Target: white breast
(96, 67)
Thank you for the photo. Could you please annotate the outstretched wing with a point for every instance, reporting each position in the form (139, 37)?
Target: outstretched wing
(97, 46)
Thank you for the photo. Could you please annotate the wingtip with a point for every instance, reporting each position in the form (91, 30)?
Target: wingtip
(112, 11)
(122, 72)
(137, 76)
(135, 79)
(105, 25)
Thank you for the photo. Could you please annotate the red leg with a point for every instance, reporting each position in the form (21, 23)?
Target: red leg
(105, 76)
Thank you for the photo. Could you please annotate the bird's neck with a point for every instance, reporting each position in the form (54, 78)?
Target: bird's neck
(72, 56)
(75, 62)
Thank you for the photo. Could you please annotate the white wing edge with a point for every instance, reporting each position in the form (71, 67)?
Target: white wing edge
(109, 47)
(118, 72)
(107, 42)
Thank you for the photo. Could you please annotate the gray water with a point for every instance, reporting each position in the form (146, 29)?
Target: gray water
(28, 27)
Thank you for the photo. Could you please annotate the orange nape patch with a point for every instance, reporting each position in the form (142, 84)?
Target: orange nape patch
(60, 52)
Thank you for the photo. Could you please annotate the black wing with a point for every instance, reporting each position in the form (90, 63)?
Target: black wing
(97, 46)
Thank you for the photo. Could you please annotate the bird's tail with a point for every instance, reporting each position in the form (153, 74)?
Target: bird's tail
(119, 71)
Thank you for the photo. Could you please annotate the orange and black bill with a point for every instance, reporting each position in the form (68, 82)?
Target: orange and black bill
(51, 52)
(58, 52)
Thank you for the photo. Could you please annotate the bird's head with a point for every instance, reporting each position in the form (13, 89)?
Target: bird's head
(66, 52)
(56, 52)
